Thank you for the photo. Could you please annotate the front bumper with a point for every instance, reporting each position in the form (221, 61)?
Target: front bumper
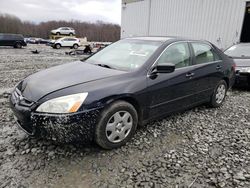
(58, 127)
(242, 79)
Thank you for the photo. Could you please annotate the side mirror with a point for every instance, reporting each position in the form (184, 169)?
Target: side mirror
(164, 68)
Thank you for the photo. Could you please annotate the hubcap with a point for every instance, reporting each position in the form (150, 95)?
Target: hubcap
(119, 126)
(220, 94)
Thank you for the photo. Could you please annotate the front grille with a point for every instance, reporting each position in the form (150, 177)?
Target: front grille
(21, 100)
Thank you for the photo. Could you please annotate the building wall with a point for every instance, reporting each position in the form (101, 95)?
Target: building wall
(135, 19)
(218, 21)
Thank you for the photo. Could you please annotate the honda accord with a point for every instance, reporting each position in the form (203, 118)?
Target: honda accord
(129, 83)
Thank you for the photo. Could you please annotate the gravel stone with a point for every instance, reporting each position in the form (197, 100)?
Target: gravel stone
(201, 147)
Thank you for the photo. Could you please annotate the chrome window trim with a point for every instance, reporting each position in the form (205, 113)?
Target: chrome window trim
(184, 41)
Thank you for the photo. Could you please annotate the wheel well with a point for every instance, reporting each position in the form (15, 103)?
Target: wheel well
(227, 81)
(135, 104)
(17, 42)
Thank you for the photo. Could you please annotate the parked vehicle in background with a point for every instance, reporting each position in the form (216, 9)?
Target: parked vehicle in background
(128, 83)
(15, 40)
(42, 41)
(33, 40)
(66, 42)
(241, 55)
(64, 31)
(51, 43)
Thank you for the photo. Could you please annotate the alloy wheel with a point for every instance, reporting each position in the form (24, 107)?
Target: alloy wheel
(220, 93)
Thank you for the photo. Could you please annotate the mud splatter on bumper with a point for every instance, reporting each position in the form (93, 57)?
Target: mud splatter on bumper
(66, 128)
(58, 127)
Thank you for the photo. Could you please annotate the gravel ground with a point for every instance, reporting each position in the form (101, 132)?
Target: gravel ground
(202, 147)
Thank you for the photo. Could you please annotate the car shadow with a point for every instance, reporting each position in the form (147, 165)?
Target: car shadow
(241, 88)
(9, 47)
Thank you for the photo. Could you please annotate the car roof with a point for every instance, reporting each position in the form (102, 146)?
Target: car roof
(242, 44)
(163, 38)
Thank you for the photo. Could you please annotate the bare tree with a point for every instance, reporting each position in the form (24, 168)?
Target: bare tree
(99, 31)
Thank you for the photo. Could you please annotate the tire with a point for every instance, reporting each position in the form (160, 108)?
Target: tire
(57, 46)
(219, 94)
(18, 45)
(124, 118)
(71, 34)
(75, 46)
(58, 33)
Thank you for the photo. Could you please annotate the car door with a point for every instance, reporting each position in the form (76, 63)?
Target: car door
(1, 40)
(72, 42)
(65, 31)
(170, 92)
(9, 40)
(61, 30)
(207, 70)
(66, 42)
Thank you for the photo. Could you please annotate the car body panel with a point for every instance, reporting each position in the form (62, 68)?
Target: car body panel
(67, 42)
(11, 39)
(64, 31)
(44, 82)
(153, 97)
(242, 72)
(242, 62)
(241, 57)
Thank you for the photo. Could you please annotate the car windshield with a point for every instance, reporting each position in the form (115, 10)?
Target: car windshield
(239, 51)
(125, 55)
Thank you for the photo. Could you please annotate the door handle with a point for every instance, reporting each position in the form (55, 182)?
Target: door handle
(218, 67)
(190, 75)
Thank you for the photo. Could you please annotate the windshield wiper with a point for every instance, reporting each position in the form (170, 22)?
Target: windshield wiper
(105, 65)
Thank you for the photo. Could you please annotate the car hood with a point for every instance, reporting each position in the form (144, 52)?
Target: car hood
(242, 62)
(59, 77)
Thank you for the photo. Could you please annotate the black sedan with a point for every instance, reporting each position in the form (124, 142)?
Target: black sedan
(127, 84)
(241, 55)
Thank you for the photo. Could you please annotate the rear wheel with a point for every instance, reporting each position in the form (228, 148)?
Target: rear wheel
(116, 126)
(219, 94)
(75, 46)
(18, 45)
(70, 34)
(57, 33)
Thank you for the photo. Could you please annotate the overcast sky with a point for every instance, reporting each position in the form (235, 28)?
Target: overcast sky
(44, 10)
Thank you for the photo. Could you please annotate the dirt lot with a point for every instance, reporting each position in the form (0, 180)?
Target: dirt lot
(202, 147)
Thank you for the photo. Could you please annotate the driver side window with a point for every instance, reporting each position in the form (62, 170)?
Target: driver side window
(177, 54)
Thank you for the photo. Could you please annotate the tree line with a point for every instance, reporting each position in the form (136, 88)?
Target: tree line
(98, 31)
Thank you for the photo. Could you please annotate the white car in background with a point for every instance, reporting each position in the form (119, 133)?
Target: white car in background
(66, 42)
(64, 31)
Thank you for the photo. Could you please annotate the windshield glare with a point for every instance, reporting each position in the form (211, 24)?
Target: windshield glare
(239, 51)
(125, 55)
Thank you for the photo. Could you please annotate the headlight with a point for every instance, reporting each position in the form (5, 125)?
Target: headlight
(66, 104)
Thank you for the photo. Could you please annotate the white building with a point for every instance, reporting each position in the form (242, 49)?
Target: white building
(222, 22)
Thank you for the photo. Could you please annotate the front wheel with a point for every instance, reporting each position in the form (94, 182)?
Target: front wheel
(58, 46)
(116, 126)
(219, 94)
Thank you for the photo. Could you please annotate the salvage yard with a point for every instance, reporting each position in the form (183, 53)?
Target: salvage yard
(202, 147)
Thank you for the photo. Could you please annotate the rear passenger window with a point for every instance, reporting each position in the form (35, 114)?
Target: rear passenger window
(178, 54)
(204, 53)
